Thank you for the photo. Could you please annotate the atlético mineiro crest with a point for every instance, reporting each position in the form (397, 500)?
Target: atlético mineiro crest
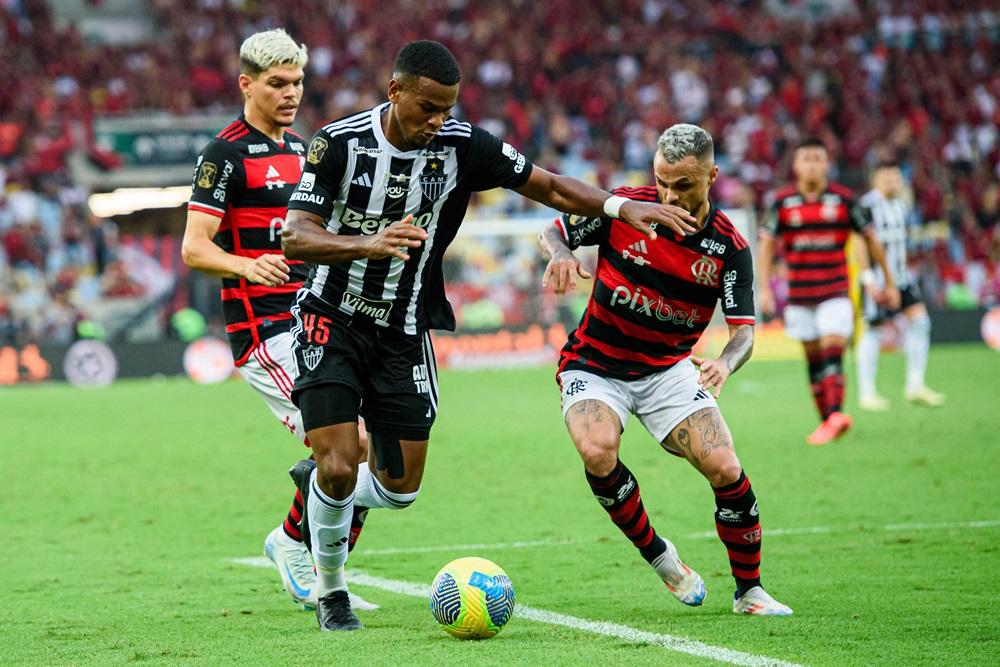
(432, 180)
(311, 356)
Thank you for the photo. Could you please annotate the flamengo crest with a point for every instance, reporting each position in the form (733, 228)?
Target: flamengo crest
(706, 272)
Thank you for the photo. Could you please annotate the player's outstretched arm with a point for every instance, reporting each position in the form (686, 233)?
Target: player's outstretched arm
(715, 372)
(200, 253)
(572, 196)
(304, 237)
(563, 266)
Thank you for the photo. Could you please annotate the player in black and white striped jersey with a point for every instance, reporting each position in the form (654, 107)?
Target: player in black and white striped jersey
(891, 216)
(382, 195)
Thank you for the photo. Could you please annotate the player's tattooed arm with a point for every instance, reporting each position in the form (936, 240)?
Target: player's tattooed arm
(563, 267)
(715, 372)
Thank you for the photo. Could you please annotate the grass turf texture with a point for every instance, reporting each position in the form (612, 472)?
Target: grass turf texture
(120, 508)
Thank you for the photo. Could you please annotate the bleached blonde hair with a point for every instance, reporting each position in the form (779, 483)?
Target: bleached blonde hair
(264, 50)
(683, 139)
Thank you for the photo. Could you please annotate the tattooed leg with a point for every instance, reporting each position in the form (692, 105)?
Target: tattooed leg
(596, 431)
(704, 440)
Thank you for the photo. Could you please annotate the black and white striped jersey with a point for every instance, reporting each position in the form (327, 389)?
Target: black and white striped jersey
(890, 218)
(360, 184)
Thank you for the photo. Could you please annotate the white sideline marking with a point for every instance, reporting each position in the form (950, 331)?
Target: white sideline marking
(770, 532)
(464, 547)
(679, 644)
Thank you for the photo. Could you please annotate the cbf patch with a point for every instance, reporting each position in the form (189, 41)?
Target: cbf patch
(316, 150)
(206, 176)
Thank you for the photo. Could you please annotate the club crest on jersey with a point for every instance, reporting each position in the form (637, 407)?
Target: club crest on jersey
(705, 271)
(432, 180)
(311, 356)
(206, 177)
(316, 150)
(397, 185)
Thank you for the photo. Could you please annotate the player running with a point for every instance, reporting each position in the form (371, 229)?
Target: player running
(631, 354)
(815, 218)
(240, 193)
(383, 194)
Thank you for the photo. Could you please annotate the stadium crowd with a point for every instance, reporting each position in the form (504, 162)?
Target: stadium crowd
(584, 88)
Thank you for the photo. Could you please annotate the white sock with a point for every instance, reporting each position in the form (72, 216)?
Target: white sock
(329, 527)
(370, 493)
(868, 351)
(917, 344)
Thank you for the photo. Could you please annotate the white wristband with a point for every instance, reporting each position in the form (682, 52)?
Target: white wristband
(612, 205)
(868, 278)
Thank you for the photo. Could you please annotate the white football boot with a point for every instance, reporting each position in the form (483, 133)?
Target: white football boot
(681, 580)
(757, 602)
(295, 565)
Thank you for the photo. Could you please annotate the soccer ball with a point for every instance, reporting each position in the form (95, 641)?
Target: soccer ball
(472, 598)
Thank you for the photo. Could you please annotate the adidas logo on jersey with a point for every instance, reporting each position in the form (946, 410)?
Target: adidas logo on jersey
(362, 180)
(272, 172)
(701, 394)
(638, 247)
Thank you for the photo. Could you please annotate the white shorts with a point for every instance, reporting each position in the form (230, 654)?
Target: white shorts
(271, 369)
(834, 317)
(661, 401)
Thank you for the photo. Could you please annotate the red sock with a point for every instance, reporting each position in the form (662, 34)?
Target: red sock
(291, 524)
(833, 378)
(816, 366)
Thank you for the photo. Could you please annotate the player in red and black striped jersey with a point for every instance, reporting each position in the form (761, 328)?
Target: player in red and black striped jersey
(814, 218)
(631, 354)
(240, 191)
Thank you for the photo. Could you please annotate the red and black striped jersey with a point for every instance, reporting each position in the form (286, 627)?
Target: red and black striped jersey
(652, 300)
(815, 234)
(246, 178)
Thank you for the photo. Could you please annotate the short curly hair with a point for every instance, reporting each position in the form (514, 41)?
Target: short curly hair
(426, 58)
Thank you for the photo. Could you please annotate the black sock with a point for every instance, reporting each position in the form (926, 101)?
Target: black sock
(618, 494)
(738, 526)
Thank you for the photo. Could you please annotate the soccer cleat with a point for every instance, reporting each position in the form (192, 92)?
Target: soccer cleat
(681, 580)
(295, 566)
(334, 613)
(873, 403)
(757, 602)
(830, 429)
(926, 397)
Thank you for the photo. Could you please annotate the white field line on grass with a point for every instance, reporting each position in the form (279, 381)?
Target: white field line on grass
(678, 644)
(772, 532)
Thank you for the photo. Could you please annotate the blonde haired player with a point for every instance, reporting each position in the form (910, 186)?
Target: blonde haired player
(240, 192)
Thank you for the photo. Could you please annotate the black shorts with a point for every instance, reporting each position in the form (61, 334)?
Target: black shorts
(876, 314)
(393, 373)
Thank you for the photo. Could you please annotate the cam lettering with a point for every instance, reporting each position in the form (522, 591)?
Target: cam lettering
(658, 308)
(308, 197)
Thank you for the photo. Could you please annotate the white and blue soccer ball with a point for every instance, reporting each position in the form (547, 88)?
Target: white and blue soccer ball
(472, 598)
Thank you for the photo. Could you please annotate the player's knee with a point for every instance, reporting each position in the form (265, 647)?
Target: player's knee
(723, 472)
(598, 457)
(921, 324)
(336, 472)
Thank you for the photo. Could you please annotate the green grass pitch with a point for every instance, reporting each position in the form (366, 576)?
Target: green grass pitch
(121, 509)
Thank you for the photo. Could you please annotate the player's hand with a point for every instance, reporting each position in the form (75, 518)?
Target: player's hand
(269, 270)
(878, 295)
(562, 270)
(394, 240)
(714, 373)
(892, 297)
(646, 216)
(767, 303)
